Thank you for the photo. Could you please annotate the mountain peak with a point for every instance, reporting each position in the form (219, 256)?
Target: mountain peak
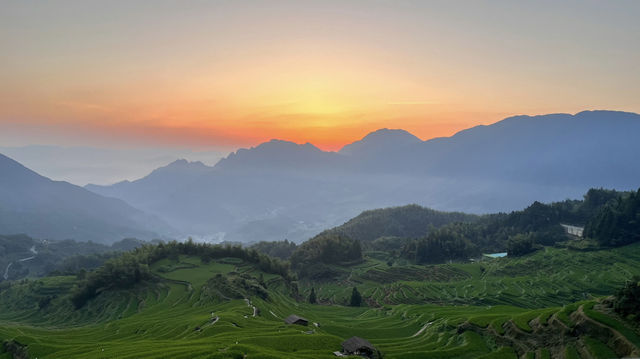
(277, 145)
(380, 140)
(178, 168)
(182, 163)
(275, 153)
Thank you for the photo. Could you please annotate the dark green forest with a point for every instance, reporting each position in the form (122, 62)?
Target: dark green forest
(618, 223)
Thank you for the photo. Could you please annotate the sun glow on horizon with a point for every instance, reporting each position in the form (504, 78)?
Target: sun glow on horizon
(208, 74)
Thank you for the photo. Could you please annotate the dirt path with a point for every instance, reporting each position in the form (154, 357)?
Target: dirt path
(422, 329)
(249, 304)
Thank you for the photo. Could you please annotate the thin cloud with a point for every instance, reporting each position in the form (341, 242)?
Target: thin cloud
(412, 103)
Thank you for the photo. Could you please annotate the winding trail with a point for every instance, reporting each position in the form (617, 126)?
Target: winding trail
(32, 250)
(249, 304)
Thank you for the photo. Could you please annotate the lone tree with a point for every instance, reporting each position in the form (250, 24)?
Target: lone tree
(312, 296)
(356, 298)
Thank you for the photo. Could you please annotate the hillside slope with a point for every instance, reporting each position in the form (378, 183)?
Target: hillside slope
(410, 221)
(46, 209)
(229, 308)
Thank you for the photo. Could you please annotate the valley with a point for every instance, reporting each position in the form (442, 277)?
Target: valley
(500, 308)
(405, 282)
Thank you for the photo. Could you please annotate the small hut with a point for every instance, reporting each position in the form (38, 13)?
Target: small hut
(294, 319)
(359, 346)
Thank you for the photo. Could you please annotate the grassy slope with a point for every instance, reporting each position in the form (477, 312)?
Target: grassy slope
(550, 277)
(160, 320)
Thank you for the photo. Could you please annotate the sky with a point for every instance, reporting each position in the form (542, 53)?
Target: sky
(218, 75)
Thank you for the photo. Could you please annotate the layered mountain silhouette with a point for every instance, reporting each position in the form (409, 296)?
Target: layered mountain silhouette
(280, 189)
(380, 142)
(46, 209)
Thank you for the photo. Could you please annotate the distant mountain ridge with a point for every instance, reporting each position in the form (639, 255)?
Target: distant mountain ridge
(277, 154)
(280, 189)
(167, 179)
(46, 209)
(381, 140)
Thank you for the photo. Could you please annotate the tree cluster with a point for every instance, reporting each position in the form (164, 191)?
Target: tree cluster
(627, 300)
(121, 272)
(618, 222)
(277, 249)
(520, 244)
(518, 233)
(313, 258)
(443, 245)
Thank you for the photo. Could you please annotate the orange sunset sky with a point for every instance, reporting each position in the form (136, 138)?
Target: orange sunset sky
(224, 74)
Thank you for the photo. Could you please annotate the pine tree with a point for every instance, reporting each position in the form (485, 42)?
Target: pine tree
(312, 296)
(356, 298)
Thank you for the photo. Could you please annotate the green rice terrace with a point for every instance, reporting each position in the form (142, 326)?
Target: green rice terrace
(549, 304)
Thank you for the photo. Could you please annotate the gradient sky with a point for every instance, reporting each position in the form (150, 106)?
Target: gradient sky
(224, 74)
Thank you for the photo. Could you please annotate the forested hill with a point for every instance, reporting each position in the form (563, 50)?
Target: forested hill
(422, 236)
(409, 221)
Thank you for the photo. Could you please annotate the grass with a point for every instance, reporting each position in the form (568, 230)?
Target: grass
(629, 333)
(599, 349)
(547, 278)
(171, 319)
(571, 352)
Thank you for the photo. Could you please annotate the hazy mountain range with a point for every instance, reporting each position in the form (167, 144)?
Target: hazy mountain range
(46, 209)
(82, 165)
(281, 190)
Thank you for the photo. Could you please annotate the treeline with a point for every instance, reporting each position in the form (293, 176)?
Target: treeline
(133, 267)
(517, 233)
(82, 263)
(313, 258)
(277, 249)
(618, 223)
(442, 245)
(426, 236)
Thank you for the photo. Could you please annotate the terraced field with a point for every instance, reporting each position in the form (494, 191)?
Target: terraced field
(550, 277)
(172, 318)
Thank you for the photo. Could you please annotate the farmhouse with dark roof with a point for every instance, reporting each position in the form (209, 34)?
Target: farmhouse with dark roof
(294, 319)
(359, 346)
